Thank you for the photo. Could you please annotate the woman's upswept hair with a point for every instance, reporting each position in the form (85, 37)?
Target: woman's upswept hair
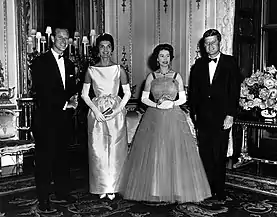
(105, 37)
(160, 47)
(152, 61)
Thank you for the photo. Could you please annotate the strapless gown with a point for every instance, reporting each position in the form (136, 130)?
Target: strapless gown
(164, 163)
(107, 141)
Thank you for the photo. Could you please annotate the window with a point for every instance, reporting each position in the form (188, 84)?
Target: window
(269, 33)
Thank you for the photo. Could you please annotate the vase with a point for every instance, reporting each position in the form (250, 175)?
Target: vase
(268, 115)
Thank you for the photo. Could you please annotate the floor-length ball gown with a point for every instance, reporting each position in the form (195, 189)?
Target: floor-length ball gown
(107, 141)
(164, 163)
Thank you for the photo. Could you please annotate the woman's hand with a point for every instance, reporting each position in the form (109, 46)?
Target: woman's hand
(166, 104)
(99, 116)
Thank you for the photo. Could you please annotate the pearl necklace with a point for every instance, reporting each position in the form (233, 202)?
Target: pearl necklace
(164, 74)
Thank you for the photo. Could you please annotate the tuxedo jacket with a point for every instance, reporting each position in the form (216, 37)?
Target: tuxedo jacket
(210, 102)
(50, 93)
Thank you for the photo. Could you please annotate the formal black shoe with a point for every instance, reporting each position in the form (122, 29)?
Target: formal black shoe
(62, 199)
(212, 198)
(71, 199)
(221, 197)
(45, 208)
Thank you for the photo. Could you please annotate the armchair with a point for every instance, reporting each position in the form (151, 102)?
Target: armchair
(11, 147)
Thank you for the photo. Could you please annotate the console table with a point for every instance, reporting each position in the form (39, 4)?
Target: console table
(245, 158)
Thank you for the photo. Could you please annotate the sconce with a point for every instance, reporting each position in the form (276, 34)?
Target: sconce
(165, 5)
(123, 5)
(198, 4)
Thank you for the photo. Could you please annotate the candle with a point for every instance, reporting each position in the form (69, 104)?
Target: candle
(85, 41)
(70, 42)
(48, 31)
(76, 37)
(43, 41)
(75, 46)
(33, 35)
(29, 44)
(38, 36)
(92, 35)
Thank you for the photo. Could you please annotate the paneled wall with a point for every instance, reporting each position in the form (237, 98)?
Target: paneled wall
(138, 26)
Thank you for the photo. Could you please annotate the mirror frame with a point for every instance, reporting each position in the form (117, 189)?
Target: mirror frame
(4, 85)
(23, 20)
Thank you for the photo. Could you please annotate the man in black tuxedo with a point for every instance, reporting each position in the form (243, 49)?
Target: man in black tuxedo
(54, 85)
(213, 96)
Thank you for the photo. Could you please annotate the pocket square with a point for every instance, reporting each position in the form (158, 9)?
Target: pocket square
(71, 76)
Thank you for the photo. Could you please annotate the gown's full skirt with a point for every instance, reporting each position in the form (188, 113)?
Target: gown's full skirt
(107, 148)
(164, 164)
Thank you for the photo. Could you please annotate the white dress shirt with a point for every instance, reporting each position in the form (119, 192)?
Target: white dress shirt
(212, 67)
(60, 62)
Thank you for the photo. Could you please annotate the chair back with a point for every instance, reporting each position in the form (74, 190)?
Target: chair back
(8, 124)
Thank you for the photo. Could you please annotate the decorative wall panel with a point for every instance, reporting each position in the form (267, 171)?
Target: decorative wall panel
(138, 26)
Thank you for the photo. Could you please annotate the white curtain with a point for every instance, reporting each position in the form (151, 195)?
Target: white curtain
(207, 14)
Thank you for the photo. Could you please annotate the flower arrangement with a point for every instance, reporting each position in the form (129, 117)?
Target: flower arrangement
(260, 91)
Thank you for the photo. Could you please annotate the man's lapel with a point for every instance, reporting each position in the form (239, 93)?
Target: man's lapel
(206, 72)
(67, 75)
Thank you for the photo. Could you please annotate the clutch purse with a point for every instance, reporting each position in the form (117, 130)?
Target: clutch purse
(164, 98)
(108, 111)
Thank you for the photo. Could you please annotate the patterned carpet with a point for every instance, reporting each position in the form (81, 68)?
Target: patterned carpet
(240, 203)
(247, 196)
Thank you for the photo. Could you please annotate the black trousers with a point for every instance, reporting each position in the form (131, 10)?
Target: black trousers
(213, 145)
(51, 157)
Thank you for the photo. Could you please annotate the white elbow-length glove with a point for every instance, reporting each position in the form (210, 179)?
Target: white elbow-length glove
(182, 98)
(145, 99)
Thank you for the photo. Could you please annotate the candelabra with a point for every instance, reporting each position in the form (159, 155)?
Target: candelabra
(81, 53)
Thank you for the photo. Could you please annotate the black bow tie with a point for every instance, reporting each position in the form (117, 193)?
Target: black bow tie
(60, 56)
(210, 59)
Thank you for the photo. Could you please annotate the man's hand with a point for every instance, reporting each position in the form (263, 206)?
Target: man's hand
(228, 122)
(73, 102)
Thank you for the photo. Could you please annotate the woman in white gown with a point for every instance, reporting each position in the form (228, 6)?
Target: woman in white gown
(107, 132)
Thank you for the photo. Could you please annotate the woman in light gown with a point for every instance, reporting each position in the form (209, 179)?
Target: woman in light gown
(107, 133)
(164, 164)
